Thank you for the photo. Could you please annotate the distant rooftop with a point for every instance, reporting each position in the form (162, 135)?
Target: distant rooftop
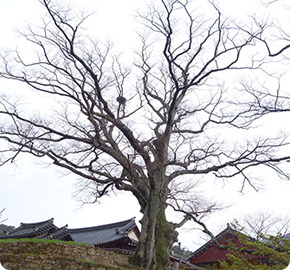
(31, 230)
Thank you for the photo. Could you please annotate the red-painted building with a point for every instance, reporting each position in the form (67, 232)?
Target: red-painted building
(210, 255)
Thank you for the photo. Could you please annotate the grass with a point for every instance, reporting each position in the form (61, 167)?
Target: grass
(89, 263)
(41, 240)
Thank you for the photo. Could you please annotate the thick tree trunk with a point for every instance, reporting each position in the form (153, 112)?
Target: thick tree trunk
(166, 236)
(157, 237)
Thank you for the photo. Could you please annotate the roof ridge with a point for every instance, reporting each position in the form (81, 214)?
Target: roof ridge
(35, 223)
(103, 226)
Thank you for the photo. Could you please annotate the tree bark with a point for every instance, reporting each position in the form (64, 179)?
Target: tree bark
(157, 236)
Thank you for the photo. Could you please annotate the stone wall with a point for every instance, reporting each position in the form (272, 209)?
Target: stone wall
(26, 255)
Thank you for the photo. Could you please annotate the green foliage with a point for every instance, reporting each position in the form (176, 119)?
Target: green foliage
(274, 249)
(89, 263)
(207, 268)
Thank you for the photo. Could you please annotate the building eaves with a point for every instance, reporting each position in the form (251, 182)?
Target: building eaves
(104, 233)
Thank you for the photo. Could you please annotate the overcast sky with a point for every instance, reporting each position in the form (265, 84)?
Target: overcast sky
(32, 192)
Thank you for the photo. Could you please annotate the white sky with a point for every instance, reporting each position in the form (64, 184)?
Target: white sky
(32, 192)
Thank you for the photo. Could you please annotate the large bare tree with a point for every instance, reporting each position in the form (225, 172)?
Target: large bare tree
(153, 130)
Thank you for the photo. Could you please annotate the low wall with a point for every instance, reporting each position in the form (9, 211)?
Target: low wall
(26, 255)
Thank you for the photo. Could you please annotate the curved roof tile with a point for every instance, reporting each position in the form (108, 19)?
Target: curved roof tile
(103, 233)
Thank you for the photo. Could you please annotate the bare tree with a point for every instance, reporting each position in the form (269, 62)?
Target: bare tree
(264, 223)
(182, 95)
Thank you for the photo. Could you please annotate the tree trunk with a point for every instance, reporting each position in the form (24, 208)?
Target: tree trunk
(157, 237)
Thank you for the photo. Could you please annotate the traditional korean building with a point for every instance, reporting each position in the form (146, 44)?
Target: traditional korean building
(38, 230)
(122, 236)
(210, 255)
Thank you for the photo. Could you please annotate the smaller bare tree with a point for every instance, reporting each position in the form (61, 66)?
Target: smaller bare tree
(264, 223)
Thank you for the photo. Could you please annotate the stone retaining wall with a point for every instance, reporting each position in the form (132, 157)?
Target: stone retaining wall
(27, 255)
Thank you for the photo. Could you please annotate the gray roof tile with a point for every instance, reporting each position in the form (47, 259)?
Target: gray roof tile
(91, 235)
(103, 233)
(31, 229)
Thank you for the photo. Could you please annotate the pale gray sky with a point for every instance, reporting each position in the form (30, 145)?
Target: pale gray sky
(32, 192)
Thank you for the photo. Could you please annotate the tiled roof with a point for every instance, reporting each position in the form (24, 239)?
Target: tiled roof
(90, 235)
(104, 233)
(228, 230)
(60, 234)
(222, 235)
(26, 230)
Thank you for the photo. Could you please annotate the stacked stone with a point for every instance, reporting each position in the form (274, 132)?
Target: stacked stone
(53, 256)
